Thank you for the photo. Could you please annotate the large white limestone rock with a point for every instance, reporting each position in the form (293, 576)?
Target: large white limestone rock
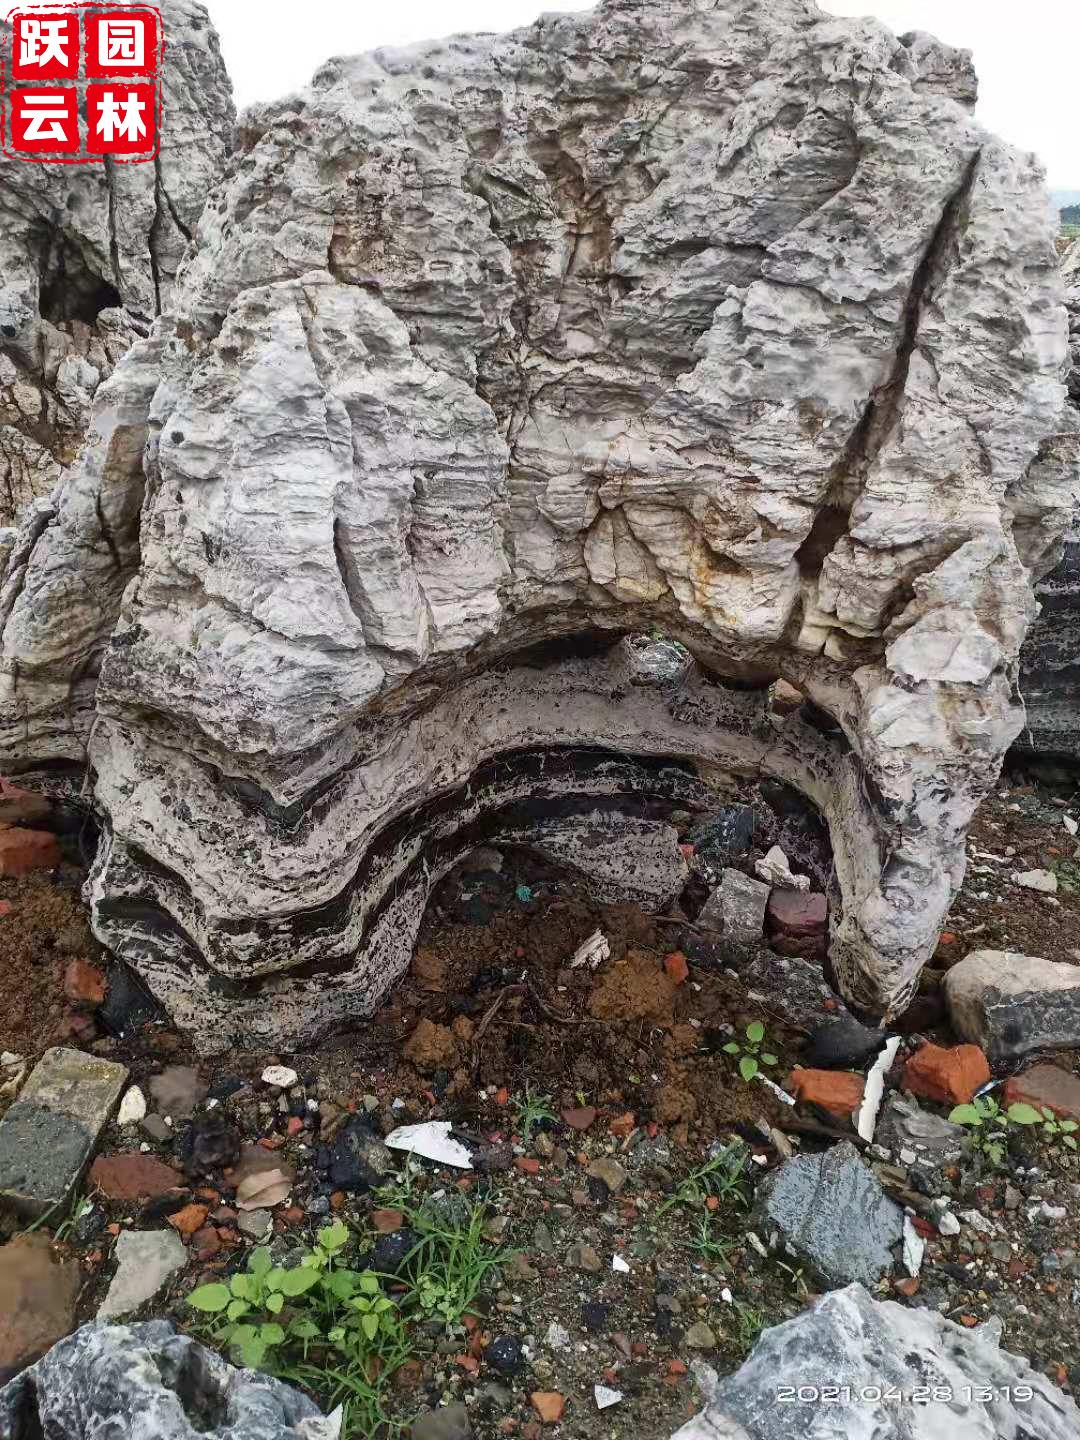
(728, 322)
(88, 255)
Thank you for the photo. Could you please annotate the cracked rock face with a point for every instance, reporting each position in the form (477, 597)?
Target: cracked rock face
(88, 256)
(147, 1382)
(1050, 659)
(729, 323)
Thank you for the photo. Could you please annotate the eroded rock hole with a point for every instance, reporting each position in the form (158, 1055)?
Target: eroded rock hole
(69, 288)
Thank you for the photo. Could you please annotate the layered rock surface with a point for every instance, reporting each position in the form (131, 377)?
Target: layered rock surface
(728, 322)
(886, 1371)
(1050, 659)
(88, 256)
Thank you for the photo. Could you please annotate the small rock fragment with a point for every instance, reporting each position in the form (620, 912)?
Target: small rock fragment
(605, 1397)
(549, 1405)
(132, 1107)
(281, 1077)
(145, 1260)
(700, 1336)
(177, 1091)
(836, 1091)
(949, 1076)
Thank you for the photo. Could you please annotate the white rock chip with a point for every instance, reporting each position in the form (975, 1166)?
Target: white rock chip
(280, 1076)
(144, 1261)
(132, 1107)
(774, 869)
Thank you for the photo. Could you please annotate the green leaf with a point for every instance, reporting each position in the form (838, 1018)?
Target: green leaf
(769, 1060)
(237, 1308)
(241, 1334)
(1048, 1112)
(332, 1237)
(748, 1067)
(1070, 1141)
(253, 1353)
(273, 1278)
(241, 1286)
(274, 1302)
(966, 1115)
(304, 1329)
(755, 1032)
(336, 1334)
(368, 1283)
(299, 1281)
(996, 1152)
(209, 1298)
(370, 1326)
(260, 1262)
(271, 1334)
(731, 1048)
(1067, 1125)
(341, 1283)
(1021, 1114)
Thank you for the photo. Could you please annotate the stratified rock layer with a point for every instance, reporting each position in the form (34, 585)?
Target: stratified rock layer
(88, 255)
(1050, 659)
(728, 322)
(869, 1368)
(146, 1382)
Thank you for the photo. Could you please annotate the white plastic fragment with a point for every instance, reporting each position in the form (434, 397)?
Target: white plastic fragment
(431, 1139)
(781, 1094)
(914, 1248)
(1070, 824)
(875, 1088)
(605, 1397)
(619, 1265)
(132, 1107)
(592, 952)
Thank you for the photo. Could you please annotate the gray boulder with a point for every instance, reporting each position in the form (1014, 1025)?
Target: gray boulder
(149, 1382)
(859, 1348)
(830, 1212)
(1013, 1004)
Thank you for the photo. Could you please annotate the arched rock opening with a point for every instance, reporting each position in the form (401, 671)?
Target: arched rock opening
(728, 322)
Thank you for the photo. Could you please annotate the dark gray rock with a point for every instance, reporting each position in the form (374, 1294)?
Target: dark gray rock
(865, 1347)
(830, 1212)
(796, 990)
(724, 836)
(357, 1160)
(843, 1044)
(147, 1382)
(449, 1422)
(906, 1126)
(1013, 1004)
(48, 1136)
(737, 908)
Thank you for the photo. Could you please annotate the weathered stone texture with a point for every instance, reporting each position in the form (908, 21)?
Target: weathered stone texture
(865, 1347)
(728, 321)
(88, 255)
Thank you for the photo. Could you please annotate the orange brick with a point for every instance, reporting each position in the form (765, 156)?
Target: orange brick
(24, 850)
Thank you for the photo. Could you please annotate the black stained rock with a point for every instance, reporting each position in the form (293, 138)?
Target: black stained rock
(211, 1142)
(595, 1316)
(504, 1355)
(357, 1160)
(390, 1252)
(844, 1044)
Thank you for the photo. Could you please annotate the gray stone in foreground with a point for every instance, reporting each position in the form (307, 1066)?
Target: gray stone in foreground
(906, 1126)
(794, 989)
(144, 1261)
(737, 907)
(146, 1382)
(48, 1136)
(1013, 1004)
(849, 1340)
(830, 1212)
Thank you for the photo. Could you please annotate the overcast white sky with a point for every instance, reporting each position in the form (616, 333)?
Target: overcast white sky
(1026, 54)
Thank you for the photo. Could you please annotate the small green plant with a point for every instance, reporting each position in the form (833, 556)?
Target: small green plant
(749, 1323)
(1048, 1123)
(449, 1263)
(751, 1056)
(319, 1301)
(529, 1112)
(798, 1278)
(723, 1177)
(709, 1245)
(1068, 875)
(989, 1124)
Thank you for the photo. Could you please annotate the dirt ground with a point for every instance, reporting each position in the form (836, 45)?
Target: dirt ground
(491, 1013)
